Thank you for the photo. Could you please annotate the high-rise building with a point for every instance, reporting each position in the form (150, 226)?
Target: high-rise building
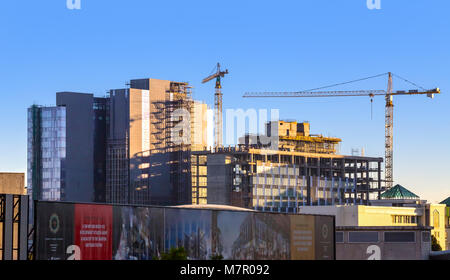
(148, 147)
(66, 147)
(132, 147)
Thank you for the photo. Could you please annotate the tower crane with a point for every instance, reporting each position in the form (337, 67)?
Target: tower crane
(217, 103)
(389, 109)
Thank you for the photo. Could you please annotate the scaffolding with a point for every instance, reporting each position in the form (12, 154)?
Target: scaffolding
(180, 156)
(14, 222)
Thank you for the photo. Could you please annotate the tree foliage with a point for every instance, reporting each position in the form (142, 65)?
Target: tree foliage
(435, 246)
(175, 254)
(216, 257)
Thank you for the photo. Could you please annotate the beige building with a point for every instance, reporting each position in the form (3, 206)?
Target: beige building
(12, 183)
(420, 215)
(393, 228)
(378, 232)
(361, 215)
(446, 202)
(435, 217)
(199, 126)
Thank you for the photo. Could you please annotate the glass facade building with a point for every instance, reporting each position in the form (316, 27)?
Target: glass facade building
(46, 152)
(67, 149)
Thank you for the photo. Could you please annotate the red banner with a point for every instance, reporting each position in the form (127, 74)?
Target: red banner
(93, 231)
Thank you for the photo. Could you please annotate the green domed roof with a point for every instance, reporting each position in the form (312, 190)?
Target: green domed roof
(446, 202)
(398, 192)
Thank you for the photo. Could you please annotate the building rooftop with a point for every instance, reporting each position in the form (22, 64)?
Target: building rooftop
(213, 207)
(398, 192)
(446, 202)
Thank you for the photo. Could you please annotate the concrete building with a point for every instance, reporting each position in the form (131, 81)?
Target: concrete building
(12, 183)
(378, 232)
(434, 214)
(398, 226)
(304, 169)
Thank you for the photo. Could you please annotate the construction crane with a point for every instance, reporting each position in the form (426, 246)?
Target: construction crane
(218, 104)
(389, 109)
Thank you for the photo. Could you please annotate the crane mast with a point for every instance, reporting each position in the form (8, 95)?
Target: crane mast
(218, 122)
(389, 136)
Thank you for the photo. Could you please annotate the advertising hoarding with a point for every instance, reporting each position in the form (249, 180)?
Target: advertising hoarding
(113, 232)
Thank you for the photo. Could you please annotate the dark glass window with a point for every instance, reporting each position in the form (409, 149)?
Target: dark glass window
(339, 237)
(400, 236)
(363, 236)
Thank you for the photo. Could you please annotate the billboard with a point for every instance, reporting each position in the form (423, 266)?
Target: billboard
(138, 233)
(113, 232)
(190, 229)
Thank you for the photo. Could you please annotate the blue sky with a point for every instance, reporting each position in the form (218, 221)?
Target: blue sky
(266, 45)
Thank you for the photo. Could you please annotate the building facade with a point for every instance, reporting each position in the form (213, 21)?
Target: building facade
(379, 232)
(446, 202)
(148, 145)
(130, 147)
(304, 170)
(65, 147)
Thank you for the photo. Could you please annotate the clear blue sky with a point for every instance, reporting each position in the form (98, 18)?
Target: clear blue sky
(266, 45)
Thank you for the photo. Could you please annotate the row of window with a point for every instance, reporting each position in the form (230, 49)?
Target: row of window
(199, 201)
(202, 181)
(404, 219)
(202, 170)
(202, 192)
(374, 237)
(269, 171)
(201, 160)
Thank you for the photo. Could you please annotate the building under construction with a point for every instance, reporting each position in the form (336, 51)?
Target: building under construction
(150, 143)
(305, 169)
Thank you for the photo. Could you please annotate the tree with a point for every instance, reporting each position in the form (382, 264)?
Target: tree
(435, 246)
(216, 257)
(175, 254)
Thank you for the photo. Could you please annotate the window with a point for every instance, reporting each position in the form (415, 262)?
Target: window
(400, 236)
(203, 182)
(436, 219)
(203, 170)
(202, 192)
(363, 237)
(403, 219)
(339, 237)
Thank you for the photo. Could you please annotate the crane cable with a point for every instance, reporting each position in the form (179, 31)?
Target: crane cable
(408, 81)
(363, 79)
(344, 83)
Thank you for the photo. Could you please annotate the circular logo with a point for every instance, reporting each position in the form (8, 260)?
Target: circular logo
(54, 223)
(324, 231)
